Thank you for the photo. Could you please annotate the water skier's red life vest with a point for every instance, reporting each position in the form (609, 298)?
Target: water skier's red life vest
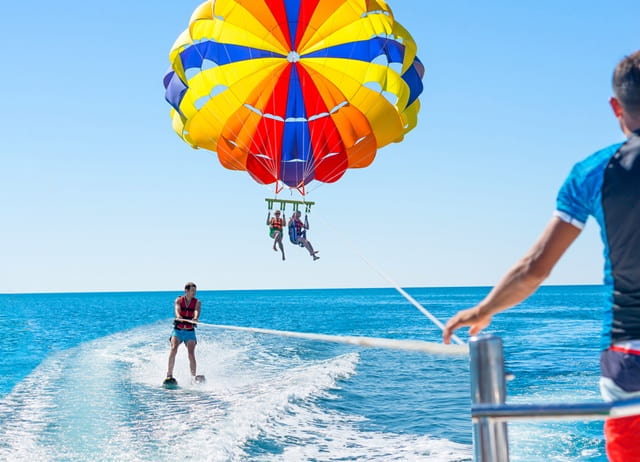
(186, 312)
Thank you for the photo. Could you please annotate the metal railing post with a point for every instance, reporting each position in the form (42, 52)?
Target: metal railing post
(490, 442)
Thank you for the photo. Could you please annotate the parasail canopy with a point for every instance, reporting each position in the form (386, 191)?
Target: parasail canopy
(293, 91)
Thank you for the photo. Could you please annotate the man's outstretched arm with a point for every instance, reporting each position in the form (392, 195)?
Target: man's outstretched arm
(520, 281)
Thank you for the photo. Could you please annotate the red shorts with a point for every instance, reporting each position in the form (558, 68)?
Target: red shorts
(620, 368)
(623, 439)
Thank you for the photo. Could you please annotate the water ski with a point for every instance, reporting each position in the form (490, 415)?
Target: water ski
(199, 379)
(170, 383)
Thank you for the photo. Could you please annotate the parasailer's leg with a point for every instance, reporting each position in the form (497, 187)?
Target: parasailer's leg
(279, 240)
(309, 247)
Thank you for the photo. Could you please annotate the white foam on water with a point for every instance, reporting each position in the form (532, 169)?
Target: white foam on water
(24, 412)
(331, 436)
(553, 440)
(104, 401)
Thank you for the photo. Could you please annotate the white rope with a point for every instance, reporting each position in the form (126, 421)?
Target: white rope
(372, 342)
(413, 301)
(400, 290)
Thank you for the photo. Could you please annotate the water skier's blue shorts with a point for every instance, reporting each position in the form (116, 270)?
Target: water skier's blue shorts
(185, 335)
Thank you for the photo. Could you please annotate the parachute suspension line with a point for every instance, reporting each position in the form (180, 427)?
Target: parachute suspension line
(268, 163)
(400, 290)
(340, 143)
(372, 342)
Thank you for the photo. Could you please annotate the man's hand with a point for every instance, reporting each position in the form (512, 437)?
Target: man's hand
(471, 317)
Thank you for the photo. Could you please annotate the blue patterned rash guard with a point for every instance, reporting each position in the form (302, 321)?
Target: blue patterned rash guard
(606, 185)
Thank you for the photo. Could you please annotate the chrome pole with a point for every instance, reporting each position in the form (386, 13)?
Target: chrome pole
(490, 442)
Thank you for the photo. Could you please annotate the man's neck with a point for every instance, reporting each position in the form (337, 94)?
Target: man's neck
(632, 125)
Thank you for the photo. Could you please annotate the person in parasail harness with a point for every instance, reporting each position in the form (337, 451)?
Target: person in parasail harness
(187, 312)
(276, 225)
(298, 233)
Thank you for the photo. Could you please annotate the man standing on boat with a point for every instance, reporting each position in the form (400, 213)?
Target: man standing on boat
(605, 185)
(186, 311)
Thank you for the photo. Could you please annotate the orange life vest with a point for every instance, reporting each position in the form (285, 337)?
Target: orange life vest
(276, 223)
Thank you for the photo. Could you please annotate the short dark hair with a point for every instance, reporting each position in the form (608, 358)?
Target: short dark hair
(626, 83)
(190, 285)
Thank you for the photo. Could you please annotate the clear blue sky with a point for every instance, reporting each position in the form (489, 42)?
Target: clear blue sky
(98, 193)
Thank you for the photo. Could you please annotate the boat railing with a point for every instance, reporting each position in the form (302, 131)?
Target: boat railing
(490, 414)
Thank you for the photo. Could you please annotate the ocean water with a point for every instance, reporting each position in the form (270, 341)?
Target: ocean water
(80, 377)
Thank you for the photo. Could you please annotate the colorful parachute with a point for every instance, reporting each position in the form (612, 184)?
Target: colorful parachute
(293, 90)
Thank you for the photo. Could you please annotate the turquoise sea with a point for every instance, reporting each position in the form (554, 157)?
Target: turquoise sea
(81, 374)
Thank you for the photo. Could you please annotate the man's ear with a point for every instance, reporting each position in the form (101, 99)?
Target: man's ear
(616, 106)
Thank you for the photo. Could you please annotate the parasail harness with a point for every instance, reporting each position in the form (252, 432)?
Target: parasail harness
(294, 231)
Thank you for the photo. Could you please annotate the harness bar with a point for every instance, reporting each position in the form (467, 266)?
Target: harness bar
(296, 204)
